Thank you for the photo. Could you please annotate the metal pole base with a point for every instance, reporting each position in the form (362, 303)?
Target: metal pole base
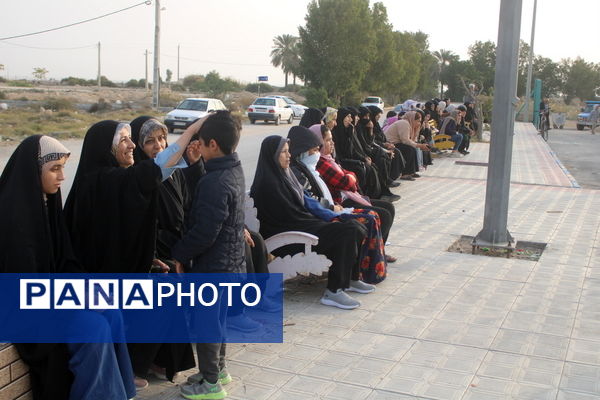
(478, 242)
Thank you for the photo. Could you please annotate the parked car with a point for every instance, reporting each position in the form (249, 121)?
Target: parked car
(190, 110)
(373, 101)
(297, 108)
(270, 109)
(583, 118)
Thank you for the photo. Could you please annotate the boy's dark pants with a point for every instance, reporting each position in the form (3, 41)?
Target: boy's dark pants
(211, 360)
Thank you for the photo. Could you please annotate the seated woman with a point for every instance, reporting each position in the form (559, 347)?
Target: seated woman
(423, 156)
(282, 206)
(112, 207)
(350, 154)
(344, 189)
(34, 239)
(450, 127)
(380, 156)
(397, 162)
(399, 133)
(304, 149)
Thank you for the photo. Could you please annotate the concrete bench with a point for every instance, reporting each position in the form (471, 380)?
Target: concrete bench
(305, 263)
(14, 376)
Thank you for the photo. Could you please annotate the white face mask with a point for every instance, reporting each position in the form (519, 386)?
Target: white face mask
(310, 160)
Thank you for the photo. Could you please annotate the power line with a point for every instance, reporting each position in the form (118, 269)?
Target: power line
(147, 2)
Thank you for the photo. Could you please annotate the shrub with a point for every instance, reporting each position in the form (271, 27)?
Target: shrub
(2, 95)
(317, 98)
(264, 88)
(20, 83)
(100, 106)
(72, 81)
(58, 104)
(292, 88)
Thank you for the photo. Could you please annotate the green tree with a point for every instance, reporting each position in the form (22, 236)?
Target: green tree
(408, 51)
(581, 78)
(336, 45)
(40, 73)
(193, 82)
(215, 86)
(456, 73)
(429, 73)
(483, 58)
(445, 59)
(550, 74)
(285, 54)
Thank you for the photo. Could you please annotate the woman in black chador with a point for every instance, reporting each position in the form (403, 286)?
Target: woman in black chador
(34, 239)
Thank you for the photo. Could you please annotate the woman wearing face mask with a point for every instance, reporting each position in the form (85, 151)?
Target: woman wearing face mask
(281, 206)
(304, 149)
(34, 239)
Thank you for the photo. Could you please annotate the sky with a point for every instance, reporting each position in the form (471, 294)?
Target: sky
(235, 37)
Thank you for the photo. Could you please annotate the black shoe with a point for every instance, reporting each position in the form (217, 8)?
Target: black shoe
(390, 197)
(393, 184)
(416, 175)
(407, 178)
(464, 152)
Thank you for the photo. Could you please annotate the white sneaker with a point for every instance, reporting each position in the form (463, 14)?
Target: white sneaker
(360, 287)
(339, 299)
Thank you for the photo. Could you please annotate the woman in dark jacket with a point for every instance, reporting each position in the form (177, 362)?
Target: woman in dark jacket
(310, 117)
(281, 206)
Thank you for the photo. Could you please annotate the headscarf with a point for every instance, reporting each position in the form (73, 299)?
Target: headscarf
(453, 116)
(411, 116)
(310, 117)
(111, 211)
(276, 194)
(301, 140)
(441, 107)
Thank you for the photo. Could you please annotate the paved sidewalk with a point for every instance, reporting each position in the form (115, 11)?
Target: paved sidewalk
(447, 325)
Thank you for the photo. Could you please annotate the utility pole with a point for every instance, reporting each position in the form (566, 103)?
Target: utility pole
(99, 73)
(530, 67)
(147, 85)
(177, 63)
(495, 231)
(156, 80)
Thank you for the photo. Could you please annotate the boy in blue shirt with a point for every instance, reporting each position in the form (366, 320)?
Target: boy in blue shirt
(214, 241)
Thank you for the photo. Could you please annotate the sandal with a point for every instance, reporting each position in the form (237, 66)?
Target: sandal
(390, 259)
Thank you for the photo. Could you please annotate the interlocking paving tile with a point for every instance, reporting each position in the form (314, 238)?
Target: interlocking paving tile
(445, 356)
(584, 351)
(531, 344)
(539, 323)
(581, 378)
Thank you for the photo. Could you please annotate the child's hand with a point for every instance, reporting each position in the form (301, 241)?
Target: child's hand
(193, 152)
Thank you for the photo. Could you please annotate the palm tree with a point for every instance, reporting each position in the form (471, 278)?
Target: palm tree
(445, 58)
(285, 54)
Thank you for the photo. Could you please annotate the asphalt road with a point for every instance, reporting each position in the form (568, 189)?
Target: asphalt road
(579, 151)
(248, 150)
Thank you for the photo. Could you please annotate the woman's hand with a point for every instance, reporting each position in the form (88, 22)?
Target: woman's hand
(338, 208)
(163, 267)
(193, 152)
(248, 238)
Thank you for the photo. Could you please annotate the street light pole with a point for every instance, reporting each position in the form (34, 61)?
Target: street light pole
(495, 231)
(99, 73)
(530, 67)
(156, 80)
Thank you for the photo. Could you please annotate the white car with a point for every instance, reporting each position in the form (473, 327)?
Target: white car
(297, 108)
(190, 110)
(373, 101)
(270, 109)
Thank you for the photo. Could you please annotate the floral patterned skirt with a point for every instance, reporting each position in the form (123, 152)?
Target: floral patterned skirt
(371, 255)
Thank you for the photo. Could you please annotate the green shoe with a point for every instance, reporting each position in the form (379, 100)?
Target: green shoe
(203, 390)
(224, 378)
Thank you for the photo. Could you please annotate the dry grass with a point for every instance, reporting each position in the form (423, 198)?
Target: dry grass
(16, 124)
